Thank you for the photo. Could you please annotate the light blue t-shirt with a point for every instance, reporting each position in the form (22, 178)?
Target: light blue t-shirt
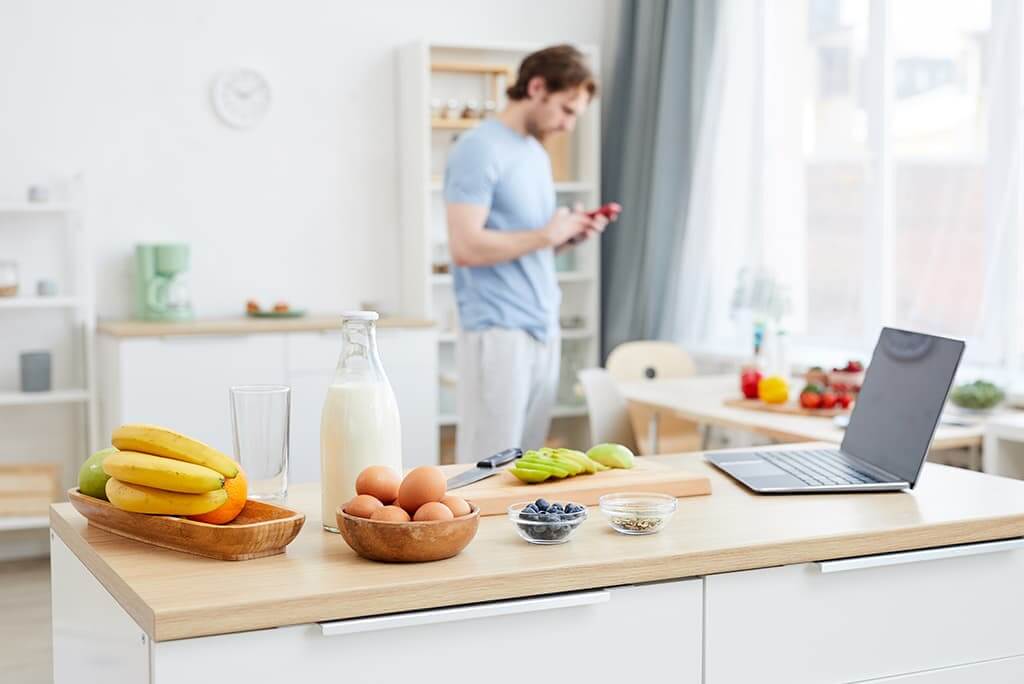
(510, 174)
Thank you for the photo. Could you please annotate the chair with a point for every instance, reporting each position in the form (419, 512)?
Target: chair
(647, 360)
(607, 408)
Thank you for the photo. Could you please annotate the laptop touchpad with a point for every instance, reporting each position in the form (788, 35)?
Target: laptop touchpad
(753, 468)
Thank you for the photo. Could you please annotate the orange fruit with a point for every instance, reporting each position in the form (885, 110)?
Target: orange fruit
(237, 489)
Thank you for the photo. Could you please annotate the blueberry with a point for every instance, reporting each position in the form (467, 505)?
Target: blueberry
(573, 508)
(555, 508)
(530, 508)
(550, 517)
(529, 515)
(541, 505)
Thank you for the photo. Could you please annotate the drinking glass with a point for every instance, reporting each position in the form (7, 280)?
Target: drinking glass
(259, 419)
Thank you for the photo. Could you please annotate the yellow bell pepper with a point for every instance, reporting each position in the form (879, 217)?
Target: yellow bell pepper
(773, 390)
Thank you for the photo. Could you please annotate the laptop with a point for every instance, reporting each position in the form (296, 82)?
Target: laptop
(890, 429)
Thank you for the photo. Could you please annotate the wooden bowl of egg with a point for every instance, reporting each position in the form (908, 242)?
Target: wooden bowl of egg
(408, 520)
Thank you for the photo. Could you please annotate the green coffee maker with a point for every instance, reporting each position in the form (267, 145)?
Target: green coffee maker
(161, 286)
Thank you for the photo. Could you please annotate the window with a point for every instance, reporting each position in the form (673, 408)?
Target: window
(884, 140)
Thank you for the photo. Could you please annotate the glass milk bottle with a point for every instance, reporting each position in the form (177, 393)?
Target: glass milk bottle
(359, 425)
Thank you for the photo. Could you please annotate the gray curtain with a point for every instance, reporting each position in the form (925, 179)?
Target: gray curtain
(652, 115)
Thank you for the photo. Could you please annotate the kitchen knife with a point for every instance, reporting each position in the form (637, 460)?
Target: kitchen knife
(485, 468)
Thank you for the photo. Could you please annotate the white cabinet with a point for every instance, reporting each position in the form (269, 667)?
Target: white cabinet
(877, 617)
(648, 633)
(1001, 671)
(183, 381)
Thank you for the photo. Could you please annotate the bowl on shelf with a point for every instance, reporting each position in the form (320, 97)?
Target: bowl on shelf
(544, 528)
(637, 513)
(408, 542)
(851, 380)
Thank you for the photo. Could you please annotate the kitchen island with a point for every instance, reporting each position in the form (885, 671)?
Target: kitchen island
(920, 587)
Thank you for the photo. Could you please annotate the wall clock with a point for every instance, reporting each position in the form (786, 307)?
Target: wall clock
(241, 97)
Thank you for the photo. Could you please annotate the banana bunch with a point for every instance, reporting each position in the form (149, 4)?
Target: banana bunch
(157, 470)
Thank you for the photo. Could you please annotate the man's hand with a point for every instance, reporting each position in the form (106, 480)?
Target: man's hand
(572, 226)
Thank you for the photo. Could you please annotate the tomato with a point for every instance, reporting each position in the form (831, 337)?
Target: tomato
(828, 399)
(810, 400)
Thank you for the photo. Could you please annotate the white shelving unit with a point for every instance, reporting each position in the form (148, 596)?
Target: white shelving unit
(61, 224)
(426, 73)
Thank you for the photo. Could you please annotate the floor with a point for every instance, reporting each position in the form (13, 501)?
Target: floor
(25, 655)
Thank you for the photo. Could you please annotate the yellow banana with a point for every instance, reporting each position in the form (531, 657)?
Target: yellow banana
(140, 499)
(159, 441)
(162, 473)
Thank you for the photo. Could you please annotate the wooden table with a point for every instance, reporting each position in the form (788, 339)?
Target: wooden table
(727, 563)
(700, 399)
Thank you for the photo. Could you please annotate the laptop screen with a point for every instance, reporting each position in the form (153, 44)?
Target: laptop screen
(900, 402)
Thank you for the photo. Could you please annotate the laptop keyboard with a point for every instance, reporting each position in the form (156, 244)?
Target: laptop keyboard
(821, 467)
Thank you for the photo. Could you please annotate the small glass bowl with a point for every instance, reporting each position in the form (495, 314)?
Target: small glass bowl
(545, 532)
(637, 512)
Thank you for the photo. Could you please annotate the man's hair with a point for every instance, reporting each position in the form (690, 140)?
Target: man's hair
(561, 66)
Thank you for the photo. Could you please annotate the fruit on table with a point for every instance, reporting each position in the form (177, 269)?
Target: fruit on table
(237, 488)
(92, 481)
(978, 395)
(162, 473)
(852, 366)
(844, 400)
(748, 382)
(141, 499)
(810, 397)
(773, 390)
(816, 375)
(569, 516)
(611, 455)
(529, 475)
(828, 399)
(161, 441)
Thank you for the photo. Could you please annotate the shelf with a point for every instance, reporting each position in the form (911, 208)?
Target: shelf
(38, 302)
(454, 124)
(68, 396)
(471, 68)
(447, 419)
(25, 522)
(447, 337)
(441, 278)
(33, 208)
(570, 334)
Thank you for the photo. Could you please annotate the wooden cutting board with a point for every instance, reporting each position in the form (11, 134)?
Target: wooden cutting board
(788, 408)
(495, 494)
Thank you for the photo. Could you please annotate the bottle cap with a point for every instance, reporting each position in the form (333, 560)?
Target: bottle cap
(360, 315)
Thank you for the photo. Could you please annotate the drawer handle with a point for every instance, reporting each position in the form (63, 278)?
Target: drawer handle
(901, 557)
(471, 612)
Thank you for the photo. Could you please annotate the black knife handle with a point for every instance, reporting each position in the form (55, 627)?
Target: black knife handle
(500, 458)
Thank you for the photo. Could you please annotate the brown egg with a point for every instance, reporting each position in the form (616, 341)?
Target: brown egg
(379, 482)
(433, 510)
(458, 505)
(363, 506)
(422, 485)
(390, 514)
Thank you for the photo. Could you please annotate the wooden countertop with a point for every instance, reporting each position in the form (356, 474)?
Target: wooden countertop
(700, 398)
(242, 325)
(173, 595)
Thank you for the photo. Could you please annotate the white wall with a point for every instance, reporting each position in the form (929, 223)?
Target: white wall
(301, 208)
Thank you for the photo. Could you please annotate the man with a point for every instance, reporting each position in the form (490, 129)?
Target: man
(503, 231)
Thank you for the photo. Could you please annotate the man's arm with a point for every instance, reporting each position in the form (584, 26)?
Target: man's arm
(473, 245)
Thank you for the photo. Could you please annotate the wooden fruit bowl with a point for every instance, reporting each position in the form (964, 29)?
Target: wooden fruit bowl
(261, 529)
(408, 542)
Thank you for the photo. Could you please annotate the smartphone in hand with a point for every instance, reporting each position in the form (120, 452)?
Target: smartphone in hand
(610, 211)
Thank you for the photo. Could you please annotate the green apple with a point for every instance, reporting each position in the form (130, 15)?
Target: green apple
(92, 481)
(611, 455)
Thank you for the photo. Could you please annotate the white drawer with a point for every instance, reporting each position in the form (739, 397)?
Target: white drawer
(871, 618)
(1002, 671)
(623, 634)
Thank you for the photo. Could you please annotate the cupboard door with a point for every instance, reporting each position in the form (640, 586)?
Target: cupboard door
(864, 618)
(649, 633)
(184, 382)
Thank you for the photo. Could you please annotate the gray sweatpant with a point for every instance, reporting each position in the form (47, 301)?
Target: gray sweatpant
(506, 389)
